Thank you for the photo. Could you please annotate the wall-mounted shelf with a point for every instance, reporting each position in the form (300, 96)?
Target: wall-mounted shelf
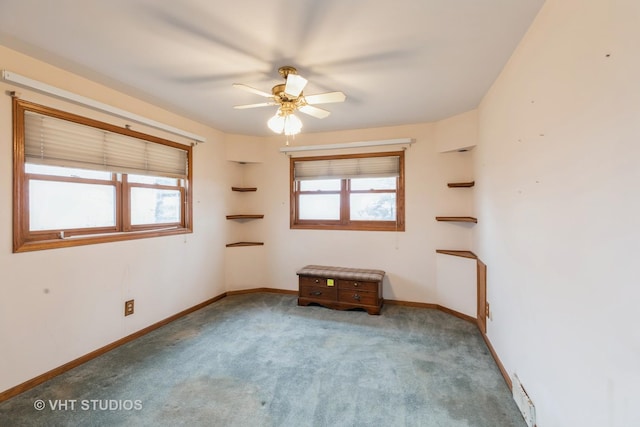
(245, 216)
(463, 254)
(240, 244)
(461, 184)
(457, 219)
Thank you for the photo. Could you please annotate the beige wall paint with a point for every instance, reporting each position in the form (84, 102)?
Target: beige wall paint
(456, 279)
(557, 201)
(57, 305)
(71, 303)
(408, 257)
(556, 172)
(459, 132)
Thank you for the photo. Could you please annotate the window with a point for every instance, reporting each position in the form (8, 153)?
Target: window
(79, 181)
(350, 192)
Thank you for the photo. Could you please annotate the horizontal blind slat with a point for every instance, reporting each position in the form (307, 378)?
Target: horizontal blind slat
(54, 141)
(360, 167)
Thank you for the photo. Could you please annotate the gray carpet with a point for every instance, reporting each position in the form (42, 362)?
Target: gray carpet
(260, 360)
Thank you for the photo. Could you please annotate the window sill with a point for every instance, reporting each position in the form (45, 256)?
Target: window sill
(81, 240)
(364, 226)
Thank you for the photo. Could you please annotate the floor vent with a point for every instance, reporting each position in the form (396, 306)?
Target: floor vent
(523, 402)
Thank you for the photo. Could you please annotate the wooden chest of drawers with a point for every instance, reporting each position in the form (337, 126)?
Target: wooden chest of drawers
(341, 288)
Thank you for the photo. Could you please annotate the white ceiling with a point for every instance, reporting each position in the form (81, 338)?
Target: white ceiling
(398, 62)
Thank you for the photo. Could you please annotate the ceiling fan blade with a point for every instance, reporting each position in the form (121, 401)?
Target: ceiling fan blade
(262, 104)
(252, 90)
(316, 112)
(325, 98)
(294, 86)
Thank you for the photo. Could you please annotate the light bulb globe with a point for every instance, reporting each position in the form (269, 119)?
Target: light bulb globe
(276, 123)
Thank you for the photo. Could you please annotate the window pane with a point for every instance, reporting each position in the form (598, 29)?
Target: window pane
(320, 185)
(319, 206)
(66, 172)
(68, 205)
(148, 179)
(388, 183)
(153, 206)
(373, 207)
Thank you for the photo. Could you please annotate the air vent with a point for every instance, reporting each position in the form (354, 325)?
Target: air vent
(524, 403)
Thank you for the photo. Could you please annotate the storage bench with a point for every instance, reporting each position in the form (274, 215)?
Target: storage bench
(341, 288)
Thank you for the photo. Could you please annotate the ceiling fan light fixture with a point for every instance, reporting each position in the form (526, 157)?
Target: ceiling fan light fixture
(292, 125)
(276, 123)
(287, 123)
(289, 97)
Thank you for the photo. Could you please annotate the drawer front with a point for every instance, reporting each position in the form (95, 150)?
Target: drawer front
(358, 297)
(314, 281)
(318, 292)
(358, 285)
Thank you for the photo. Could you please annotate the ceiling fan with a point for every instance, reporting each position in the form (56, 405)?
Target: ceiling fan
(289, 97)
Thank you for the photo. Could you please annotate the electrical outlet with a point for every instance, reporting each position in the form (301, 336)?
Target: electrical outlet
(128, 307)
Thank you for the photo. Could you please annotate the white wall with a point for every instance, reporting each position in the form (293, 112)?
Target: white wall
(72, 302)
(558, 206)
(459, 132)
(456, 279)
(245, 266)
(556, 168)
(408, 257)
(57, 305)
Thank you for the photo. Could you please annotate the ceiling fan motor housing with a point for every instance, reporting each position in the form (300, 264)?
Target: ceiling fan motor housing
(289, 96)
(281, 97)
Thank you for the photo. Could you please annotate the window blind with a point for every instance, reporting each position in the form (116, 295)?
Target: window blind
(360, 167)
(53, 141)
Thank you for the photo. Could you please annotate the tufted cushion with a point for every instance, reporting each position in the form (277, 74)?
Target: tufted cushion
(341, 273)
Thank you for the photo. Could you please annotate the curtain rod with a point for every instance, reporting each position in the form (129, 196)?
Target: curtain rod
(398, 141)
(96, 105)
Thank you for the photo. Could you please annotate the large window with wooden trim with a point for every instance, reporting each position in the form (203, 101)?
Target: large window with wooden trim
(348, 192)
(79, 181)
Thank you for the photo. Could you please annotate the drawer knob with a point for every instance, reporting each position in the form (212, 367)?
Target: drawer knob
(356, 297)
(317, 293)
(317, 281)
(355, 283)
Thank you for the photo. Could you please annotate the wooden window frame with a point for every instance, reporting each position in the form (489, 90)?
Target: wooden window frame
(345, 223)
(25, 240)
(128, 186)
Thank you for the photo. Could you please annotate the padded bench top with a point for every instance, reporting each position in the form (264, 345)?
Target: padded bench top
(341, 273)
